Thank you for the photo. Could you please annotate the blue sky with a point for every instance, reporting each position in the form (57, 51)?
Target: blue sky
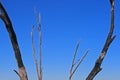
(64, 22)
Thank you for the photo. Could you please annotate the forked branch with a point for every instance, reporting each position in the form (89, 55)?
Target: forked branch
(97, 67)
(38, 70)
(75, 65)
(4, 16)
(34, 53)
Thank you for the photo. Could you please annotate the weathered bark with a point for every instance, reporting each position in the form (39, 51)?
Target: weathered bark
(97, 67)
(4, 16)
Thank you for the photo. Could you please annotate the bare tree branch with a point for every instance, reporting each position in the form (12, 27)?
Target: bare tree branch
(97, 68)
(40, 34)
(16, 72)
(34, 53)
(39, 73)
(72, 71)
(73, 61)
(4, 16)
(38, 20)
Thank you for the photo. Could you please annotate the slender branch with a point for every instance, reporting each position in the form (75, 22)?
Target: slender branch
(4, 16)
(72, 71)
(39, 73)
(34, 53)
(79, 62)
(16, 72)
(40, 34)
(38, 19)
(97, 68)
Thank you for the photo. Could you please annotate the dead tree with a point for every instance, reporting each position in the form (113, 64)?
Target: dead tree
(4, 16)
(97, 67)
(21, 68)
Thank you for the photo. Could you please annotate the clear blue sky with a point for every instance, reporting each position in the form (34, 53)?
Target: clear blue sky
(64, 22)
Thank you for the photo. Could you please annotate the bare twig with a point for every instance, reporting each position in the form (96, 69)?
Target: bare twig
(80, 61)
(34, 53)
(16, 72)
(38, 19)
(40, 34)
(73, 61)
(39, 73)
(72, 71)
(97, 68)
(4, 16)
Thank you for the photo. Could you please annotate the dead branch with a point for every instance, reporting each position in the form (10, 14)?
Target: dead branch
(39, 73)
(73, 61)
(72, 71)
(34, 53)
(97, 67)
(40, 36)
(4, 16)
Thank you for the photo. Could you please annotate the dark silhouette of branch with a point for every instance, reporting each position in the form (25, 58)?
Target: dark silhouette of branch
(4, 16)
(97, 68)
(72, 71)
(16, 72)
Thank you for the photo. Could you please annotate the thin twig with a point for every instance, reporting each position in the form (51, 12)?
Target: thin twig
(72, 71)
(34, 53)
(16, 72)
(80, 61)
(73, 61)
(40, 35)
(38, 20)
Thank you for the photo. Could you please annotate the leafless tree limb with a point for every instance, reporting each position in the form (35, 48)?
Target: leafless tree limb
(40, 34)
(80, 61)
(4, 16)
(97, 67)
(16, 72)
(73, 61)
(39, 73)
(34, 53)
(72, 71)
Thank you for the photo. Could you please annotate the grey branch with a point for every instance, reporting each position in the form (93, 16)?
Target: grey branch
(4, 16)
(40, 36)
(72, 71)
(34, 53)
(97, 67)
(73, 61)
(39, 70)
